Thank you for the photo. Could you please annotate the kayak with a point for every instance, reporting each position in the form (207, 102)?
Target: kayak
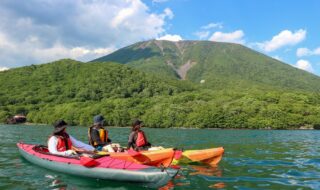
(168, 156)
(211, 156)
(104, 167)
(158, 158)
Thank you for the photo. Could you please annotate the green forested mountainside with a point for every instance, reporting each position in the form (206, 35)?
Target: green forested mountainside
(73, 81)
(219, 65)
(77, 91)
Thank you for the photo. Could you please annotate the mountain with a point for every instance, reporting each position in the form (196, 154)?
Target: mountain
(73, 81)
(163, 89)
(216, 65)
(63, 88)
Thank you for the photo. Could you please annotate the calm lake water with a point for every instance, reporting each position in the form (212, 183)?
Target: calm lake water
(253, 159)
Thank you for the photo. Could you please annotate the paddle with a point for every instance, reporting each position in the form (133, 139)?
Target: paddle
(87, 158)
(102, 153)
(88, 162)
(177, 154)
(131, 152)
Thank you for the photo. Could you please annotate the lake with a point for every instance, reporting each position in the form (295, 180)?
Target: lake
(253, 159)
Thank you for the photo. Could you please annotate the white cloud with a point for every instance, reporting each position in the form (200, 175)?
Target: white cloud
(307, 52)
(168, 13)
(33, 51)
(3, 68)
(316, 51)
(4, 42)
(277, 58)
(202, 34)
(304, 65)
(212, 25)
(170, 37)
(284, 38)
(37, 31)
(205, 30)
(58, 51)
(233, 37)
(103, 51)
(303, 52)
(159, 1)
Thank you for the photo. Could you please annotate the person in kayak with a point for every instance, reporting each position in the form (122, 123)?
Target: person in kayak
(61, 143)
(98, 136)
(137, 138)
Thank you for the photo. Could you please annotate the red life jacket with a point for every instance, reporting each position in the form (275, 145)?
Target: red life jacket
(64, 143)
(141, 139)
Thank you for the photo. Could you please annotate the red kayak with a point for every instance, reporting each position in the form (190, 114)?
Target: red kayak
(104, 167)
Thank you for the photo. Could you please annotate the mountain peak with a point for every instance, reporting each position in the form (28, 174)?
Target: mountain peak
(220, 64)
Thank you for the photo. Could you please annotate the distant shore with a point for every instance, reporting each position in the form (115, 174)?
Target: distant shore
(185, 128)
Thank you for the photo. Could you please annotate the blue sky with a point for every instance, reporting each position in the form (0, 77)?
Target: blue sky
(38, 31)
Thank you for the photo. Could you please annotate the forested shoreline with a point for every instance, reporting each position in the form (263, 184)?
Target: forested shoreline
(77, 91)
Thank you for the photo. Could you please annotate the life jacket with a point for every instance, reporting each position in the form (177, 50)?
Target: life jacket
(64, 143)
(103, 134)
(141, 139)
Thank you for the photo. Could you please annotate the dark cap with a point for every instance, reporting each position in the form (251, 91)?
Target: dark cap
(59, 125)
(137, 122)
(98, 119)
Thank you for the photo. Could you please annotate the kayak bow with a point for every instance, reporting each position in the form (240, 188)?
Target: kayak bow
(211, 156)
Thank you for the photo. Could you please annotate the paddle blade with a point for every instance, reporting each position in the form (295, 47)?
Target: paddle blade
(175, 167)
(102, 153)
(88, 162)
(177, 154)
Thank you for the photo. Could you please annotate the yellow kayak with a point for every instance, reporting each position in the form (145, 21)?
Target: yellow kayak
(211, 156)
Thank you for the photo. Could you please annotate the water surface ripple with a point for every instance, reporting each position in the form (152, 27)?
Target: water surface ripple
(254, 159)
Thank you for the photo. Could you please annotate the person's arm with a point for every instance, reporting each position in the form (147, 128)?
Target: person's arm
(131, 141)
(78, 144)
(52, 147)
(108, 140)
(96, 137)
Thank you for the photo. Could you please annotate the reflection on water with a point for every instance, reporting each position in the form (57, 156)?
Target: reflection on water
(55, 182)
(206, 170)
(219, 185)
(253, 159)
(209, 171)
(169, 186)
